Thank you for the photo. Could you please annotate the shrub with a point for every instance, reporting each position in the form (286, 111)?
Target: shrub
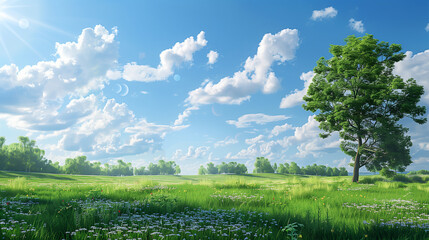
(401, 178)
(386, 172)
(421, 172)
(371, 180)
(417, 179)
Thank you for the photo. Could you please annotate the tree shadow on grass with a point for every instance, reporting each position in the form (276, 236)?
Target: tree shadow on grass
(251, 175)
(184, 178)
(34, 175)
(6, 175)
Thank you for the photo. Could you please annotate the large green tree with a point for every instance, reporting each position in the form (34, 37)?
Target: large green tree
(357, 95)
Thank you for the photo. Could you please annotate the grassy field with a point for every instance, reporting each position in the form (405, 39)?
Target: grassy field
(256, 206)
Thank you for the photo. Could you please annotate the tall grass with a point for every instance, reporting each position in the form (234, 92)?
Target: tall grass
(219, 207)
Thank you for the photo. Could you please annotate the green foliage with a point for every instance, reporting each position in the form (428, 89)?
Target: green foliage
(420, 172)
(417, 179)
(386, 172)
(371, 180)
(283, 168)
(357, 95)
(202, 170)
(262, 165)
(292, 230)
(24, 156)
(228, 168)
(270, 206)
(318, 170)
(294, 168)
(212, 169)
(161, 168)
(177, 170)
(401, 178)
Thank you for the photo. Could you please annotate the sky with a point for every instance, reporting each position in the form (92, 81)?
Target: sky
(189, 81)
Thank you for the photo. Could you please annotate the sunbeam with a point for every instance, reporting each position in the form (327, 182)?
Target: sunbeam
(3, 45)
(22, 40)
(55, 29)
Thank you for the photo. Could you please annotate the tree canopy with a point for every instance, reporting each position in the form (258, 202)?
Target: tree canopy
(262, 165)
(357, 95)
(26, 156)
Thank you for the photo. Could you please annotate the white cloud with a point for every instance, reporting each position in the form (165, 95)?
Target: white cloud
(256, 75)
(345, 162)
(193, 153)
(427, 28)
(258, 118)
(277, 130)
(144, 128)
(113, 74)
(416, 67)
(257, 139)
(33, 98)
(114, 131)
(356, 25)
(271, 150)
(183, 116)
(225, 142)
(99, 131)
(295, 98)
(308, 140)
(169, 59)
(328, 12)
(212, 57)
(305, 140)
(424, 146)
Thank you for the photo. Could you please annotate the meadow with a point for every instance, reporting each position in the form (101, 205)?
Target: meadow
(253, 206)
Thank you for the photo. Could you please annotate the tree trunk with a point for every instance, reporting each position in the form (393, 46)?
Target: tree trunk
(357, 162)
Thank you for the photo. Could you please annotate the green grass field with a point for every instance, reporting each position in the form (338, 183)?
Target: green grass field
(254, 206)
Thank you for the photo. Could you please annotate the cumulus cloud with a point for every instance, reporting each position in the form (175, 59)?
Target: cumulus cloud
(99, 130)
(170, 59)
(305, 138)
(114, 131)
(417, 67)
(308, 140)
(328, 12)
(345, 162)
(256, 75)
(43, 118)
(113, 74)
(356, 25)
(277, 130)
(254, 140)
(427, 28)
(193, 153)
(212, 57)
(258, 147)
(257, 118)
(295, 98)
(32, 98)
(183, 116)
(225, 142)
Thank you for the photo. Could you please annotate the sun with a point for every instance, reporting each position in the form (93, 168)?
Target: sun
(15, 18)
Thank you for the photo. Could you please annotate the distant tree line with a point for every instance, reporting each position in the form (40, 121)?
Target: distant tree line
(225, 168)
(27, 157)
(262, 165)
(24, 156)
(421, 172)
(80, 165)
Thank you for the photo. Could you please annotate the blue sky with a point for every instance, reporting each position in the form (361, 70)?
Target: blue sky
(189, 81)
